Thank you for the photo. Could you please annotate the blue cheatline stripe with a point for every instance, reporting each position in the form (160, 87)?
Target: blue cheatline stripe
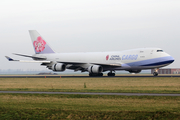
(153, 62)
(159, 63)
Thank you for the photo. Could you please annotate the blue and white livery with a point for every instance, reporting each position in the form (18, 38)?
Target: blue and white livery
(96, 63)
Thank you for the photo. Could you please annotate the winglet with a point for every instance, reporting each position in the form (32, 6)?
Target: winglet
(10, 59)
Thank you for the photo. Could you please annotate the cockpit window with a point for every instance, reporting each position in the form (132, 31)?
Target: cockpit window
(159, 50)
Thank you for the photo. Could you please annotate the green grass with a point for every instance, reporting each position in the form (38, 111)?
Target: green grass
(136, 85)
(40, 106)
(39, 114)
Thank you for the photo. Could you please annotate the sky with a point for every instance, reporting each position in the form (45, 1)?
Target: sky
(88, 26)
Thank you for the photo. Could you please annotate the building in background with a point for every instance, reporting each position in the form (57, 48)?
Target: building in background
(167, 71)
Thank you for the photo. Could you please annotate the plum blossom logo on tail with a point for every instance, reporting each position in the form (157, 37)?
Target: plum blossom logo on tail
(107, 57)
(39, 44)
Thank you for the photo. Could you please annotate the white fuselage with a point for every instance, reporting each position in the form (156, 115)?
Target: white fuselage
(135, 59)
(95, 63)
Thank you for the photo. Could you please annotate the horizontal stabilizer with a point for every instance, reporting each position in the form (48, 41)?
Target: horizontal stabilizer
(10, 59)
(34, 57)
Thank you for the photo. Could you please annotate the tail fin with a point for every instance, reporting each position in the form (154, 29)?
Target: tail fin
(39, 44)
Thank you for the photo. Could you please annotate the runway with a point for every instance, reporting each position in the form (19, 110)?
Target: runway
(80, 93)
(77, 76)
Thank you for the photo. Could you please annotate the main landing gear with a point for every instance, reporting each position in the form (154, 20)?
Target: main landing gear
(155, 73)
(101, 74)
(95, 74)
(111, 74)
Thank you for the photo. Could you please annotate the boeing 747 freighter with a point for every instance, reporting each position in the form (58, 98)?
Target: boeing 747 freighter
(96, 63)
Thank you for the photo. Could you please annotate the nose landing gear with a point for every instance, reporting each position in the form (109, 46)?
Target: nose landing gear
(155, 73)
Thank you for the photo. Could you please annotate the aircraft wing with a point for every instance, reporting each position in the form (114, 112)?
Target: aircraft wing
(10, 59)
(114, 64)
(44, 61)
(103, 64)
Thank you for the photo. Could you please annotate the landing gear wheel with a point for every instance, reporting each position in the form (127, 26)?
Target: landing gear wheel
(100, 74)
(95, 74)
(90, 74)
(111, 74)
(155, 74)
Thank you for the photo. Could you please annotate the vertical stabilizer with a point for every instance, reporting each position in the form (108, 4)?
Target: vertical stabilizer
(39, 44)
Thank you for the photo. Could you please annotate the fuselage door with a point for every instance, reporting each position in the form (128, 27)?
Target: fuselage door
(151, 52)
(142, 54)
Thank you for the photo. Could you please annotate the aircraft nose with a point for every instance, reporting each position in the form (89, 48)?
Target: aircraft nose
(171, 59)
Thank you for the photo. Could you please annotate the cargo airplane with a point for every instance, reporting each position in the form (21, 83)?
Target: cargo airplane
(96, 63)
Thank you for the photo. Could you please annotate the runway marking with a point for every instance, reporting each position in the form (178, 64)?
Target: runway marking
(80, 93)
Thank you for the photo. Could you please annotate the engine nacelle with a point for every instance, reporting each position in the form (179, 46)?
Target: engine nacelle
(95, 69)
(134, 71)
(59, 67)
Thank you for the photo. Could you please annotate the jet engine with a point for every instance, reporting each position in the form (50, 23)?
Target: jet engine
(59, 67)
(95, 69)
(134, 71)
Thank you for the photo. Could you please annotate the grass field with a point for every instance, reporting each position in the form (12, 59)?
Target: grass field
(41, 106)
(21, 106)
(136, 85)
